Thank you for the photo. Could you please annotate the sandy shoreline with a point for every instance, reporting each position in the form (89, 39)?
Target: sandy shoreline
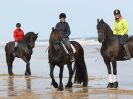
(19, 87)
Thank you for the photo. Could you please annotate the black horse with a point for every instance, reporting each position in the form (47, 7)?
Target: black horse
(24, 51)
(58, 56)
(111, 50)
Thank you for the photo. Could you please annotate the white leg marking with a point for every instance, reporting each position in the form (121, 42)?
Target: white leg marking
(114, 78)
(110, 78)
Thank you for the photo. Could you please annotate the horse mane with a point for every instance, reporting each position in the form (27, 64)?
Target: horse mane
(109, 30)
(54, 37)
(28, 35)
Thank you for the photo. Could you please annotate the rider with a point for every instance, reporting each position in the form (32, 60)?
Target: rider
(64, 29)
(18, 36)
(120, 29)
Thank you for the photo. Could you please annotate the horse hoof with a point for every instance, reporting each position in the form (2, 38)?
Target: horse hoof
(60, 89)
(29, 73)
(26, 73)
(110, 85)
(115, 85)
(11, 74)
(27, 76)
(69, 85)
(85, 84)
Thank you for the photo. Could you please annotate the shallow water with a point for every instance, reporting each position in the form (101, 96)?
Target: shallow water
(38, 86)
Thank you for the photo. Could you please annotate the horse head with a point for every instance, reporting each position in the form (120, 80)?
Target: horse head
(101, 28)
(104, 31)
(55, 38)
(30, 38)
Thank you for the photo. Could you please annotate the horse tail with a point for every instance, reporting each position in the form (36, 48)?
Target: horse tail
(9, 48)
(6, 47)
(81, 74)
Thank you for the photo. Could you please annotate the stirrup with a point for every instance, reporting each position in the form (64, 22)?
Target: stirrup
(72, 59)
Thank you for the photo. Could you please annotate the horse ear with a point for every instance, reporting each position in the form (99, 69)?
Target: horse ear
(98, 20)
(102, 20)
(53, 29)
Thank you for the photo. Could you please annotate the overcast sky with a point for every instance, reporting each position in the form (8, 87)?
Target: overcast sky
(41, 15)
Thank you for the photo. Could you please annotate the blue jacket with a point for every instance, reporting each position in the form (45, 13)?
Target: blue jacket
(63, 27)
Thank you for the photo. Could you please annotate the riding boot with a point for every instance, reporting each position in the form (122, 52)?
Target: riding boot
(127, 56)
(71, 53)
(67, 44)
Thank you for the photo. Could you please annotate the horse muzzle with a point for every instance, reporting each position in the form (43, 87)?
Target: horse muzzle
(100, 39)
(32, 45)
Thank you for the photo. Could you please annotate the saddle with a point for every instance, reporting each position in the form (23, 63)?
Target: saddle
(123, 53)
(74, 50)
(122, 50)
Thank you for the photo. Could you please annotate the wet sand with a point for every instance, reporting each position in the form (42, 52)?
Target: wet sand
(19, 87)
(38, 86)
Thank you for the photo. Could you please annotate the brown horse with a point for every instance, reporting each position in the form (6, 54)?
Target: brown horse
(24, 51)
(58, 56)
(111, 50)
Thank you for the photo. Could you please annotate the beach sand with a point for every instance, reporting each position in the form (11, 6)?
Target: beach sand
(38, 86)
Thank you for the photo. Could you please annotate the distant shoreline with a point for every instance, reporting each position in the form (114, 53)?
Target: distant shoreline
(83, 41)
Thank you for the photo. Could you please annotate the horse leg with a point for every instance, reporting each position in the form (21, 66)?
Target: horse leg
(114, 65)
(60, 88)
(69, 84)
(110, 84)
(9, 64)
(54, 83)
(27, 71)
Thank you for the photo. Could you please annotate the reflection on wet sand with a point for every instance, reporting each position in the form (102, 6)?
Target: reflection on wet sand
(22, 91)
(11, 91)
(78, 92)
(19, 87)
(74, 93)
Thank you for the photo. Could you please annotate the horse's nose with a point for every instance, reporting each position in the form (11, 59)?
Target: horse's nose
(100, 39)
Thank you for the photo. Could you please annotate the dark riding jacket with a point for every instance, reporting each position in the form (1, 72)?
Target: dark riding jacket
(63, 28)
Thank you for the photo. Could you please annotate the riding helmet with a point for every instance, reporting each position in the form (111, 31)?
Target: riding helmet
(62, 15)
(117, 11)
(18, 25)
